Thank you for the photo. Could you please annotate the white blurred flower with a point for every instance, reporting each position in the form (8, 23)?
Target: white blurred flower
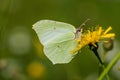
(19, 40)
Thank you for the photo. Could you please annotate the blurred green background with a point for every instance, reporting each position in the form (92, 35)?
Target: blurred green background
(21, 55)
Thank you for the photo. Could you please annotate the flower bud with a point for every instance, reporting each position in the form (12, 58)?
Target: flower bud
(108, 45)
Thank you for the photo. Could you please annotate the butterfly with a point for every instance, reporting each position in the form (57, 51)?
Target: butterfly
(58, 39)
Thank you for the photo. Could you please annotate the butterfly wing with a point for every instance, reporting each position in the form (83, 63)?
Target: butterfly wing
(57, 39)
(61, 52)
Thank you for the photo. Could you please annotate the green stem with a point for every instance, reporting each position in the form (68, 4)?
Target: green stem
(111, 64)
(102, 66)
(107, 76)
(103, 59)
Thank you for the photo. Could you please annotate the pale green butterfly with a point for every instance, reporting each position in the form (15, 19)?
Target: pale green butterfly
(58, 40)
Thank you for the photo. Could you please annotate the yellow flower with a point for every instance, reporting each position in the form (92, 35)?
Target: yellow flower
(92, 37)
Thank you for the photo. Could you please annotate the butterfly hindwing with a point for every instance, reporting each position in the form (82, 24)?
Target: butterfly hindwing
(61, 52)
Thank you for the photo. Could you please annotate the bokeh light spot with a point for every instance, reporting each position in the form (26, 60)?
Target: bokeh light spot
(19, 40)
(36, 70)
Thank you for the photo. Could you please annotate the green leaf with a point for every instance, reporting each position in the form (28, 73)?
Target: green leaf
(57, 39)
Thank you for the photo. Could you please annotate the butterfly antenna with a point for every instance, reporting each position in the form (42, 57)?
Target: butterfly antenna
(83, 24)
(80, 28)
